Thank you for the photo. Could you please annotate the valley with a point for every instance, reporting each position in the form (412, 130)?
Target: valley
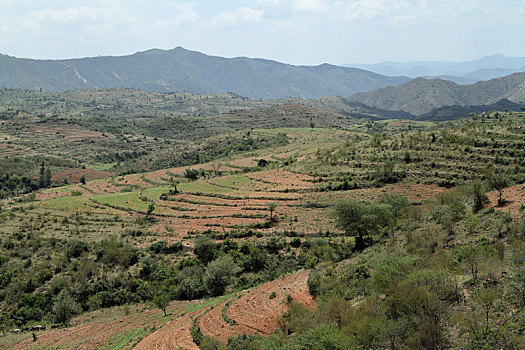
(215, 222)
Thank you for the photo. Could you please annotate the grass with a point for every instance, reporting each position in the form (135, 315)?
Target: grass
(71, 203)
(127, 339)
(203, 187)
(237, 182)
(102, 167)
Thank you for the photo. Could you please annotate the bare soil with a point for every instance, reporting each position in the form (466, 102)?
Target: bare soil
(74, 175)
(255, 312)
(514, 198)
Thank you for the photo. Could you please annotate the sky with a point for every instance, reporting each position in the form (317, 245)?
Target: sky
(307, 32)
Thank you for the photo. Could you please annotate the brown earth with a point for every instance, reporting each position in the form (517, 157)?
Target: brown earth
(255, 312)
(514, 198)
(94, 334)
(281, 179)
(174, 335)
(74, 175)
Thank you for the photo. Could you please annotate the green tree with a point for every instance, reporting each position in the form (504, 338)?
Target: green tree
(479, 196)
(190, 283)
(64, 308)
(472, 255)
(192, 174)
(271, 207)
(42, 176)
(361, 219)
(498, 181)
(219, 274)
(162, 300)
(149, 211)
(47, 177)
(516, 284)
(205, 249)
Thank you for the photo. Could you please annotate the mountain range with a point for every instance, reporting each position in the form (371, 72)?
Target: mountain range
(466, 72)
(420, 96)
(183, 70)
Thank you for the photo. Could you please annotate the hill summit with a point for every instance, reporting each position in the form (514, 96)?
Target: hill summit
(183, 70)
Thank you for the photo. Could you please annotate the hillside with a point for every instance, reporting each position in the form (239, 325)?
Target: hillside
(421, 95)
(183, 70)
(455, 112)
(240, 248)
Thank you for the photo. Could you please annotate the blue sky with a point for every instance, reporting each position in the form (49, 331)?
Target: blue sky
(291, 31)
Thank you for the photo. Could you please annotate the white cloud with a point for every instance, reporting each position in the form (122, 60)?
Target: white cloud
(310, 5)
(239, 16)
(37, 19)
(184, 14)
(365, 10)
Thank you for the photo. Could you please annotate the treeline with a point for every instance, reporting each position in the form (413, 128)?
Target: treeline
(20, 175)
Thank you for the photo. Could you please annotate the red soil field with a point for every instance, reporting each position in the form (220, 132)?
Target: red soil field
(255, 312)
(94, 334)
(514, 197)
(74, 175)
(174, 335)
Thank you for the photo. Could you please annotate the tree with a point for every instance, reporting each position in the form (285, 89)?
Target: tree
(516, 283)
(472, 255)
(361, 219)
(162, 300)
(498, 181)
(41, 178)
(219, 274)
(47, 177)
(478, 192)
(151, 208)
(64, 308)
(83, 179)
(191, 174)
(205, 249)
(271, 207)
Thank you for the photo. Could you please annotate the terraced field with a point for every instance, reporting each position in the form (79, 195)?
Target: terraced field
(447, 154)
(258, 311)
(231, 200)
(140, 327)
(119, 328)
(234, 196)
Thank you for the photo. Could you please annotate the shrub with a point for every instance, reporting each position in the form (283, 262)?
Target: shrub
(64, 308)
(361, 219)
(219, 274)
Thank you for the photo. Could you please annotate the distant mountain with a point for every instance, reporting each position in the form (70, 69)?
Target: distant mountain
(183, 70)
(420, 95)
(467, 72)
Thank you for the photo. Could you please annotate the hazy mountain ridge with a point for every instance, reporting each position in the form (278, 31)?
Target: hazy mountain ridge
(421, 96)
(466, 72)
(180, 69)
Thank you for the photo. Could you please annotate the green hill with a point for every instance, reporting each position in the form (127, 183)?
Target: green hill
(420, 95)
(183, 70)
